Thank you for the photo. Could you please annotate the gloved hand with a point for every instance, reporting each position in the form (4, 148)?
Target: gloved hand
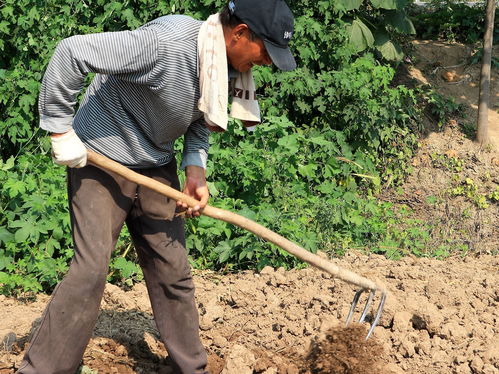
(68, 149)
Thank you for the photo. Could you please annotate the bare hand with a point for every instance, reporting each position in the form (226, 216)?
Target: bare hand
(196, 187)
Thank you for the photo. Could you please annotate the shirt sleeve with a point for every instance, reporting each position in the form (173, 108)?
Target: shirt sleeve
(131, 55)
(196, 144)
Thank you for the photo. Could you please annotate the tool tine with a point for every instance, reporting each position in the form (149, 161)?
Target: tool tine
(378, 314)
(354, 304)
(367, 306)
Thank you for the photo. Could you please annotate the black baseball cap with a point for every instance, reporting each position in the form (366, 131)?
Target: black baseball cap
(273, 22)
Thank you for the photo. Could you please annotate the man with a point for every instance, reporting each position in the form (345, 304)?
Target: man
(152, 86)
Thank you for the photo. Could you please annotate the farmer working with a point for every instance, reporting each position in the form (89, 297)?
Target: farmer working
(170, 78)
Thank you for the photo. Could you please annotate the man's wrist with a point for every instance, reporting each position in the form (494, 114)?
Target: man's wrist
(194, 171)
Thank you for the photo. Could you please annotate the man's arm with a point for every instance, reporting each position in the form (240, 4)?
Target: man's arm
(196, 187)
(131, 54)
(194, 160)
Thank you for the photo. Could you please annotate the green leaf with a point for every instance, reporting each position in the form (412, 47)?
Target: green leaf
(360, 36)
(15, 187)
(22, 234)
(4, 27)
(9, 164)
(5, 261)
(349, 4)
(389, 4)
(5, 235)
(126, 268)
(387, 48)
(400, 21)
(307, 170)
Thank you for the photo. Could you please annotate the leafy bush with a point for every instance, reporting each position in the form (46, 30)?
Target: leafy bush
(452, 20)
(335, 130)
(34, 224)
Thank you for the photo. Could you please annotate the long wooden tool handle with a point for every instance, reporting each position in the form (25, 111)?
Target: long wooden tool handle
(235, 219)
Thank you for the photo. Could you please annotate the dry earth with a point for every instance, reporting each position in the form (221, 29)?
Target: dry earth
(447, 66)
(441, 316)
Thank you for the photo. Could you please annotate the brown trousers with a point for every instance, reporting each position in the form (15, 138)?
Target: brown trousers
(100, 202)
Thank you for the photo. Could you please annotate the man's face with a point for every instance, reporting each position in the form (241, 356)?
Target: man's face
(243, 52)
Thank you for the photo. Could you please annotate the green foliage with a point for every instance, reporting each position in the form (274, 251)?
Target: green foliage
(335, 130)
(478, 57)
(377, 24)
(470, 189)
(34, 224)
(438, 107)
(452, 20)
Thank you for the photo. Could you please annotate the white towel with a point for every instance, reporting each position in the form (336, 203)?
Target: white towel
(213, 80)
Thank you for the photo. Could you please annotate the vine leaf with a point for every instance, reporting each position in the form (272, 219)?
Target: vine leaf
(400, 21)
(359, 35)
(389, 4)
(388, 49)
(349, 4)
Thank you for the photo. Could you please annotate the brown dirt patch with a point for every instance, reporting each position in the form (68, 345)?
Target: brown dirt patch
(344, 350)
(441, 317)
(447, 67)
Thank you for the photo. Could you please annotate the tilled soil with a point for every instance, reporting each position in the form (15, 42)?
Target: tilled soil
(440, 317)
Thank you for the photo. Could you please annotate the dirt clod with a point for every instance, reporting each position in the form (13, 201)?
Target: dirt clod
(344, 350)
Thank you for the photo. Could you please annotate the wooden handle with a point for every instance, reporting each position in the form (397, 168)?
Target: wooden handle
(235, 219)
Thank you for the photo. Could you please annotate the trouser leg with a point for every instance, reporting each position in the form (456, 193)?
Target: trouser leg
(99, 203)
(160, 243)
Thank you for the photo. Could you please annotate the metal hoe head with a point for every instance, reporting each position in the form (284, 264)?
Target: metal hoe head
(367, 308)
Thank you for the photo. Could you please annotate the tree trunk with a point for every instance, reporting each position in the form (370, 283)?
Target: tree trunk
(482, 135)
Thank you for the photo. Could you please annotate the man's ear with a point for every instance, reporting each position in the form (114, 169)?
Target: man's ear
(239, 30)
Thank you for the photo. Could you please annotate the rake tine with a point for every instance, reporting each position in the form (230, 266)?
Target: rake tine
(366, 309)
(354, 304)
(367, 306)
(378, 314)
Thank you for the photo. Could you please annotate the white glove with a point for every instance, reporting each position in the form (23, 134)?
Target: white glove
(69, 150)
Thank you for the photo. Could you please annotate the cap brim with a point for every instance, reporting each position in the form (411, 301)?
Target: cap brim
(281, 57)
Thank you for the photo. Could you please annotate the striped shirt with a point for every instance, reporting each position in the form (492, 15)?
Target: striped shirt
(143, 97)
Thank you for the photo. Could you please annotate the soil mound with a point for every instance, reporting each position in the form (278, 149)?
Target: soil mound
(440, 317)
(344, 350)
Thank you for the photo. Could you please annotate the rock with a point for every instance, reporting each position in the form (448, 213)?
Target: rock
(267, 270)
(214, 312)
(489, 369)
(491, 355)
(391, 307)
(440, 357)
(453, 331)
(271, 370)
(428, 317)
(462, 369)
(450, 76)
(239, 360)
(402, 321)
(8, 339)
(206, 323)
(219, 341)
(278, 279)
(459, 359)
(476, 364)
(407, 349)
(423, 343)
(292, 369)
(392, 368)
